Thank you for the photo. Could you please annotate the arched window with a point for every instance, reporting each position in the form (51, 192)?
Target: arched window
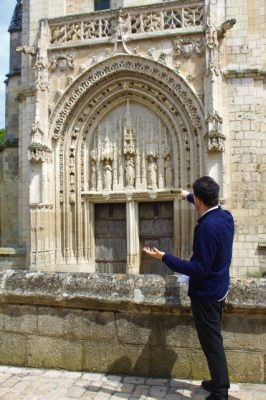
(101, 4)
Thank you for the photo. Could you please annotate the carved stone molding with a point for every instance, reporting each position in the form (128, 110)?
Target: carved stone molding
(41, 206)
(41, 74)
(213, 62)
(38, 152)
(132, 64)
(188, 47)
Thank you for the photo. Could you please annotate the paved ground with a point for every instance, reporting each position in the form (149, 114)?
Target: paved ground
(38, 384)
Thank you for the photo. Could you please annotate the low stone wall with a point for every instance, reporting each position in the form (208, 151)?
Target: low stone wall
(140, 325)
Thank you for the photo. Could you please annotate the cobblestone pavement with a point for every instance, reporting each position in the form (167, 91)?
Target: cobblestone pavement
(39, 384)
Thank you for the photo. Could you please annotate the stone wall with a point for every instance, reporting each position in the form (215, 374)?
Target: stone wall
(244, 72)
(123, 324)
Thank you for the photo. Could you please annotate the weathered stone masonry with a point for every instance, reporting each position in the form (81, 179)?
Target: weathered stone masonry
(124, 324)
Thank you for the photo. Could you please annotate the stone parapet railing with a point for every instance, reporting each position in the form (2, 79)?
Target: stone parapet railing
(133, 22)
(119, 291)
(125, 324)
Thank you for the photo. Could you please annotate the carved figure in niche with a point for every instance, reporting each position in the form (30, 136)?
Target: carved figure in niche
(53, 63)
(72, 197)
(168, 171)
(93, 174)
(108, 175)
(130, 171)
(72, 179)
(107, 148)
(70, 61)
(152, 172)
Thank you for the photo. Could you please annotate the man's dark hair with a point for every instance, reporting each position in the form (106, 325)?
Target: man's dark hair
(207, 190)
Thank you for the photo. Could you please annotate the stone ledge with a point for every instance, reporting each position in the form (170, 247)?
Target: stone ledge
(12, 251)
(142, 293)
(243, 71)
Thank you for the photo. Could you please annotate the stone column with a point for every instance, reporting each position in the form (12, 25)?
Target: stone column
(133, 257)
(91, 236)
(214, 136)
(177, 233)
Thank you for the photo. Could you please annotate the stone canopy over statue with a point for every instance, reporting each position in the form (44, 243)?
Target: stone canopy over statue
(130, 149)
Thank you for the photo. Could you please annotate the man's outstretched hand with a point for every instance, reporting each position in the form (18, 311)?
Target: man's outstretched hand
(155, 253)
(183, 194)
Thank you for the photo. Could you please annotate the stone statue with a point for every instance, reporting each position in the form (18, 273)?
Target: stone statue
(130, 171)
(108, 174)
(93, 175)
(168, 171)
(107, 152)
(152, 172)
(53, 63)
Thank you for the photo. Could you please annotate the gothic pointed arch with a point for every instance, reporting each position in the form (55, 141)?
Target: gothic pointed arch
(127, 128)
(133, 65)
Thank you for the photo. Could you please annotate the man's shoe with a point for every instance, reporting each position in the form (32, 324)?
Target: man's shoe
(207, 385)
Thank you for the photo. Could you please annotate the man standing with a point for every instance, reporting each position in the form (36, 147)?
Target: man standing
(208, 271)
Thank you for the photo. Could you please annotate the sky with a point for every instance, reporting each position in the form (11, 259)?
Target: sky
(6, 10)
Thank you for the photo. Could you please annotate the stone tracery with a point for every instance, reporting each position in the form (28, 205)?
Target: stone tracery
(141, 150)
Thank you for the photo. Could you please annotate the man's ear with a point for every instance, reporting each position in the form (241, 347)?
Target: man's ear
(198, 202)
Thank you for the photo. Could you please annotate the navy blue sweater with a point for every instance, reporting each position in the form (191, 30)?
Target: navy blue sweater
(208, 267)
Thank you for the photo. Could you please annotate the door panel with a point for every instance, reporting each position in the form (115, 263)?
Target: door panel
(110, 238)
(156, 226)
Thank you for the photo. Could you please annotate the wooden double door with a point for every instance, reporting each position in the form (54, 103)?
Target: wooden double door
(155, 226)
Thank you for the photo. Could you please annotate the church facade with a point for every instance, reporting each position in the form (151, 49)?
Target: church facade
(112, 106)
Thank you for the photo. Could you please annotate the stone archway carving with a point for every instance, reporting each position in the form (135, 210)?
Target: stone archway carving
(123, 81)
(132, 64)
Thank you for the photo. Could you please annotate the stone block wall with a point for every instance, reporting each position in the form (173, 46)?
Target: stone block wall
(86, 6)
(79, 322)
(244, 74)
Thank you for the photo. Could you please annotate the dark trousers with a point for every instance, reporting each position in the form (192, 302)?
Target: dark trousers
(207, 317)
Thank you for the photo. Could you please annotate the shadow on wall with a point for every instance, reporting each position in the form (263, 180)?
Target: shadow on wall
(150, 355)
(149, 351)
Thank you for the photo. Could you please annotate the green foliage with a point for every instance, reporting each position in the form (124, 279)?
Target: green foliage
(2, 136)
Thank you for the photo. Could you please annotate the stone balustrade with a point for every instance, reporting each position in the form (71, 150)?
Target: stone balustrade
(133, 22)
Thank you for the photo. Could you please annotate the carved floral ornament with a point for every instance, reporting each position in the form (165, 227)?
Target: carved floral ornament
(147, 68)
